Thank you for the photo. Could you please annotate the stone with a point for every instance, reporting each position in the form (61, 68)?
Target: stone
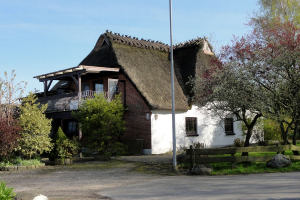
(279, 161)
(201, 170)
(40, 197)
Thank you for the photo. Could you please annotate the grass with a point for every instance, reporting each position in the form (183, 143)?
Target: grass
(250, 168)
(20, 162)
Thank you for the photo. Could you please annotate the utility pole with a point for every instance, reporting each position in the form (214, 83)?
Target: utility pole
(172, 89)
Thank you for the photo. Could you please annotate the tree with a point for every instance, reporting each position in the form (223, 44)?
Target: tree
(260, 74)
(226, 87)
(277, 27)
(282, 10)
(277, 72)
(10, 93)
(102, 124)
(36, 128)
(9, 134)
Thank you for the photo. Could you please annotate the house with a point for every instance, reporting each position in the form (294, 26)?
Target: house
(140, 70)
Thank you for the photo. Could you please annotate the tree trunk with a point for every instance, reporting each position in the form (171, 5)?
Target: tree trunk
(296, 130)
(295, 133)
(284, 133)
(249, 131)
(248, 136)
(247, 140)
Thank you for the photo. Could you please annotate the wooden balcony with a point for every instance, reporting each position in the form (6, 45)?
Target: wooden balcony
(70, 101)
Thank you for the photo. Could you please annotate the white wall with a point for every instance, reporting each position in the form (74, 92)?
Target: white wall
(210, 130)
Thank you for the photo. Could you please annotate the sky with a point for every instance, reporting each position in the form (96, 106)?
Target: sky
(39, 36)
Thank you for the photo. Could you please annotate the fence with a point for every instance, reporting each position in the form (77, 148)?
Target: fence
(233, 154)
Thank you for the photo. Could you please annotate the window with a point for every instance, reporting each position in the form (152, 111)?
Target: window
(99, 88)
(72, 127)
(112, 87)
(191, 126)
(85, 87)
(228, 124)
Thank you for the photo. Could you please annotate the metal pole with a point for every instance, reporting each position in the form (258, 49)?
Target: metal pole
(172, 88)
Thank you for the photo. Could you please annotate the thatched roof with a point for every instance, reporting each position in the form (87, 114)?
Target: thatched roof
(147, 65)
(190, 59)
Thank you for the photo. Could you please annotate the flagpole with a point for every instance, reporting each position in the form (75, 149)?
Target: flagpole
(172, 89)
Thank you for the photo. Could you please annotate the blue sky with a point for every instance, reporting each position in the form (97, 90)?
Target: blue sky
(39, 36)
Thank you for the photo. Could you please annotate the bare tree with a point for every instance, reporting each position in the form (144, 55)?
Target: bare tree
(10, 94)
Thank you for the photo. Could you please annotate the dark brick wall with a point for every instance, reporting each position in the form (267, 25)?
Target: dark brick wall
(137, 126)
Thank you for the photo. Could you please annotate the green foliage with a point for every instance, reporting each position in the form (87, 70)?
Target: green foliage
(284, 10)
(271, 130)
(25, 162)
(250, 168)
(20, 162)
(64, 147)
(36, 127)
(6, 193)
(102, 124)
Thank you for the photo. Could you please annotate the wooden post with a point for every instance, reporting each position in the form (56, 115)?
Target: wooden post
(79, 87)
(79, 100)
(191, 157)
(45, 88)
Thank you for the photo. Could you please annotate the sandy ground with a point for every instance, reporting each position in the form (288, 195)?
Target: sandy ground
(95, 181)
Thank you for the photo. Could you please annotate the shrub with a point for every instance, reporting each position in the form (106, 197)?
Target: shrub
(36, 128)
(64, 147)
(6, 193)
(102, 124)
(9, 133)
(238, 142)
(271, 130)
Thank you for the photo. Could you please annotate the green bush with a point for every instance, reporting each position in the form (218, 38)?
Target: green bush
(271, 130)
(102, 124)
(65, 148)
(36, 128)
(20, 162)
(6, 193)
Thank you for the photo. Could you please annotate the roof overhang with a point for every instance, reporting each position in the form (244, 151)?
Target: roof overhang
(81, 69)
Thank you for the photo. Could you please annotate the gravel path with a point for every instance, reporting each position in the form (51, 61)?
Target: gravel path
(121, 182)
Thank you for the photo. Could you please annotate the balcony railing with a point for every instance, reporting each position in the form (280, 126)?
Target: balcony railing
(91, 93)
(87, 94)
(70, 101)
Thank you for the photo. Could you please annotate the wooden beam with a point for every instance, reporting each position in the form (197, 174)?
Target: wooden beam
(45, 88)
(58, 77)
(48, 85)
(75, 80)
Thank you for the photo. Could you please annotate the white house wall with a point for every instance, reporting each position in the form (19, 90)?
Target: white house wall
(210, 129)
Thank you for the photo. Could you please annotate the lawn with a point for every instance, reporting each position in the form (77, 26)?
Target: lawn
(250, 168)
(247, 167)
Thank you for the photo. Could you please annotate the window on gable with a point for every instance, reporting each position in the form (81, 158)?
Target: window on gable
(228, 124)
(191, 126)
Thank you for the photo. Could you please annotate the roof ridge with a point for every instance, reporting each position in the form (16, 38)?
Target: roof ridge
(136, 42)
(189, 43)
(151, 44)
